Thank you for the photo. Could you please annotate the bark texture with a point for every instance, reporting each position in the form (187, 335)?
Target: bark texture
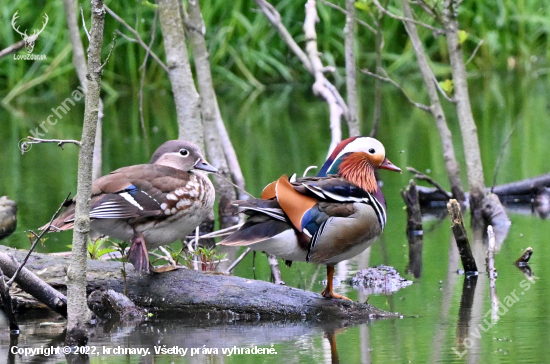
(351, 80)
(191, 293)
(186, 96)
(472, 154)
(79, 62)
(211, 116)
(451, 164)
(459, 232)
(78, 312)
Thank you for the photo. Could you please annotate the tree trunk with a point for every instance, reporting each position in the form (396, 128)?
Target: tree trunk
(211, 116)
(351, 81)
(78, 312)
(472, 154)
(186, 97)
(79, 62)
(451, 164)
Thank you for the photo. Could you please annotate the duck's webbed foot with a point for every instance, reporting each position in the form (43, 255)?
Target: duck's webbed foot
(138, 255)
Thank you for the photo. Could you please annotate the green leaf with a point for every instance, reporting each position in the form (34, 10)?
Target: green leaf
(447, 86)
(462, 36)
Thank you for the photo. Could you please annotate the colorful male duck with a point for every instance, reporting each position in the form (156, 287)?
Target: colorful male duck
(324, 219)
(149, 205)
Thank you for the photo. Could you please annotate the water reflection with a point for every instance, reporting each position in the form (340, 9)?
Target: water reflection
(193, 339)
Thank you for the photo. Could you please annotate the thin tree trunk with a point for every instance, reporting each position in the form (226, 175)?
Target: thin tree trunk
(351, 81)
(78, 313)
(451, 164)
(211, 116)
(79, 62)
(186, 96)
(472, 154)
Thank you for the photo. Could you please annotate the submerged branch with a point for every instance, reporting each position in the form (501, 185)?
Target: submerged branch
(462, 242)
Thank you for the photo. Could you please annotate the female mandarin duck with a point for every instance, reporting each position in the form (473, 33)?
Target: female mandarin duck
(324, 219)
(151, 204)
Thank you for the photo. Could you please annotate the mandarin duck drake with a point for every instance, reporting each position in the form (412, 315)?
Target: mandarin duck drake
(324, 219)
(149, 205)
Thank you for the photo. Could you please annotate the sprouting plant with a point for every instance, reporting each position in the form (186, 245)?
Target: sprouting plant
(206, 257)
(96, 249)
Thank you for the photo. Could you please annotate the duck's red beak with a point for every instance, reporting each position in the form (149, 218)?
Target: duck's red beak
(386, 164)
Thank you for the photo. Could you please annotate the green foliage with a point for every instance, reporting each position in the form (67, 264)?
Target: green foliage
(205, 257)
(96, 248)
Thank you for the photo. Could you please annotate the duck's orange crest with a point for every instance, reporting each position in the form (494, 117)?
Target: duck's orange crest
(357, 168)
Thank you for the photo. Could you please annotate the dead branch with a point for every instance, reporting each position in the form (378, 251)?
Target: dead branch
(143, 69)
(436, 31)
(346, 12)
(31, 283)
(523, 260)
(138, 38)
(337, 110)
(421, 176)
(415, 231)
(12, 48)
(275, 19)
(491, 270)
(37, 238)
(27, 144)
(275, 271)
(451, 164)
(237, 261)
(7, 303)
(395, 84)
(461, 237)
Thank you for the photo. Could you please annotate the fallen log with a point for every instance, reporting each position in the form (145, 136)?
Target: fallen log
(525, 191)
(201, 295)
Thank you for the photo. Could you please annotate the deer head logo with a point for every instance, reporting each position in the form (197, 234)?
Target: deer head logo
(29, 39)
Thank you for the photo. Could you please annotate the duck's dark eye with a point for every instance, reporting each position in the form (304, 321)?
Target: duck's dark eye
(372, 151)
(184, 152)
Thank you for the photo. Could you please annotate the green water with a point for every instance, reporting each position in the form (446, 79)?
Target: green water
(285, 130)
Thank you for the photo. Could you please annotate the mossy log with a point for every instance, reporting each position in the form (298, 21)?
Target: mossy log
(188, 292)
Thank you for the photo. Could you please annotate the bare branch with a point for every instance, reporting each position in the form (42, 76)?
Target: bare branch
(359, 21)
(421, 176)
(111, 47)
(436, 31)
(138, 38)
(395, 84)
(323, 84)
(275, 19)
(237, 261)
(319, 88)
(143, 69)
(84, 23)
(36, 240)
(12, 48)
(26, 145)
(474, 52)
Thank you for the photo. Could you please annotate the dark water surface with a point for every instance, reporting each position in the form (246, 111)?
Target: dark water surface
(284, 132)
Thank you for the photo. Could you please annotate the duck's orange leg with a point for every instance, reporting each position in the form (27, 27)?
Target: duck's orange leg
(327, 292)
